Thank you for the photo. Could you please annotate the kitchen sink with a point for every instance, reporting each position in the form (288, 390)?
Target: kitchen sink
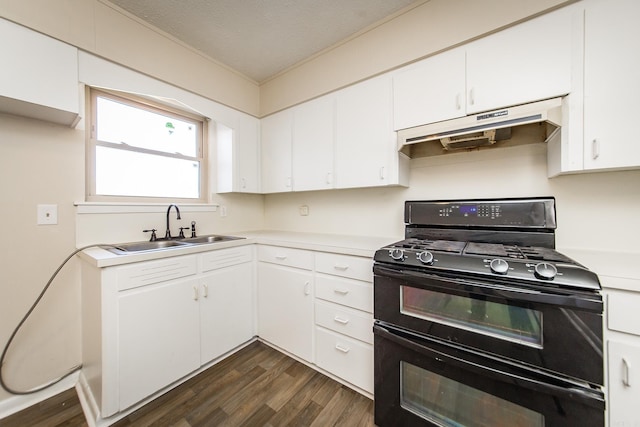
(162, 244)
(209, 239)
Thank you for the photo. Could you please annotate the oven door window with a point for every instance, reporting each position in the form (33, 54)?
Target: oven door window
(508, 322)
(449, 403)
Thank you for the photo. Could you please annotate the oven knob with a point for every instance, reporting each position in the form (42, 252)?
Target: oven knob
(397, 254)
(499, 266)
(426, 257)
(546, 271)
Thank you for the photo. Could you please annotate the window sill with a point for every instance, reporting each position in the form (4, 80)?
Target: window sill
(115, 207)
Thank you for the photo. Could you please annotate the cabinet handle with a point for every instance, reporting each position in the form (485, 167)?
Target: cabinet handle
(625, 373)
(342, 348)
(288, 182)
(244, 183)
(206, 291)
(307, 288)
(281, 257)
(341, 320)
(595, 149)
(341, 291)
(329, 178)
(472, 96)
(458, 104)
(382, 176)
(195, 293)
(341, 267)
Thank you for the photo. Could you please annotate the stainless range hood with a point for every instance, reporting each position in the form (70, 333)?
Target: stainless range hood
(483, 129)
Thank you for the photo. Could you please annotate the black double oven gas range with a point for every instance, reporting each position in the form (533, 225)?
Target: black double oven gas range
(479, 321)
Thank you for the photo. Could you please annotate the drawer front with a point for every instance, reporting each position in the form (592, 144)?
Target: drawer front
(352, 293)
(622, 312)
(353, 267)
(344, 320)
(226, 257)
(286, 256)
(345, 357)
(147, 273)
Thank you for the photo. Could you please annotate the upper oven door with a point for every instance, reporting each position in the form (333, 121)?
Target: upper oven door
(561, 333)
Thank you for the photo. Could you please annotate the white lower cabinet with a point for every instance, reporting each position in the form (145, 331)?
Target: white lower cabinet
(158, 337)
(285, 300)
(624, 383)
(226, 310)
(344, 319)
(148, 324)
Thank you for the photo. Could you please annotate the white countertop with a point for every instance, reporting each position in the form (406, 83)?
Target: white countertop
(343, 244)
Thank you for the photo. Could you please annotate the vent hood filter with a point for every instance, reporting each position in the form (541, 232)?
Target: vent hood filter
(482, 129)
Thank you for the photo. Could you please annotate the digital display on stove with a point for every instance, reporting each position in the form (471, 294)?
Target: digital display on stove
(469, 209)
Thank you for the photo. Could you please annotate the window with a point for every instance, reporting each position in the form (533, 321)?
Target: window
(140, 150)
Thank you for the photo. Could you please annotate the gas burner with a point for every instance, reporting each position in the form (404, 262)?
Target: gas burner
(433, 245)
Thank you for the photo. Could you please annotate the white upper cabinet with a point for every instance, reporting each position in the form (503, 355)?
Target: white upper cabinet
(238, 161)
(313, 141)
(276, 152)
(611, 84)
(528, 62)
(430, 91)
(525, 63)
(39, 76)
(366, 154)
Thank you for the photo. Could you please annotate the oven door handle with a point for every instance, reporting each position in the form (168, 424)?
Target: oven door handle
(414, 342)
(440, 283)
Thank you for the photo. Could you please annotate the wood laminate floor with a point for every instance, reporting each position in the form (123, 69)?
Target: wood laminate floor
(257, 386)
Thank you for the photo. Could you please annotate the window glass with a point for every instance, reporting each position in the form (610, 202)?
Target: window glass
(142, 150)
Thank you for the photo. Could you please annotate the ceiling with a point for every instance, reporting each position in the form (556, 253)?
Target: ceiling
(260, 38)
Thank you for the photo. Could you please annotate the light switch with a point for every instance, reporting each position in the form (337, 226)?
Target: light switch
(47, 214)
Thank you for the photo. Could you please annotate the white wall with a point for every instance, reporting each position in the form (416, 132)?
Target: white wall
(595, 211)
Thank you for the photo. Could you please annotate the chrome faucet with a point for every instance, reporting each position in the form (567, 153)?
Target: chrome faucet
(167, 235)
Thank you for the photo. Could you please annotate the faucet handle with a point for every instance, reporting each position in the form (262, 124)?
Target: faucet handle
(181, 235)
(153, 234)
(193, 229)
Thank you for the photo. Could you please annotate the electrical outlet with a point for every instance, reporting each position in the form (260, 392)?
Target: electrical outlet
(304, 210)
(47, 214)
(223, 211)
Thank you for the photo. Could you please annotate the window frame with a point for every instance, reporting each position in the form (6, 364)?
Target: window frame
(152, 105)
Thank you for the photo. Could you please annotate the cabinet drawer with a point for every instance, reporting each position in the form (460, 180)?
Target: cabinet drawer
(147, 273)
(286, 256)
(347, 321)
(352, 293)
(226, 257)
(345, 357)
(345, 265)
(622, 312)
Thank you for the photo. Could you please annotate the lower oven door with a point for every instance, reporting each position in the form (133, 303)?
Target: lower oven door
(546, 329)
(424, 382)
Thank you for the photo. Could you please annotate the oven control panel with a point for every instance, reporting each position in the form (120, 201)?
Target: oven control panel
(516, 213)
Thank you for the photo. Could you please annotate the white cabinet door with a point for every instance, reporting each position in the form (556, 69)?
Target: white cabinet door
(38, 76)
(158, 337)
(285, 308)
(276, 152)
(531, 61)
(238, 156)
(624, 384)
(366, 153)
(248, 155)
(430, 91)
(313, 140)
(611, 84)
(226, 310)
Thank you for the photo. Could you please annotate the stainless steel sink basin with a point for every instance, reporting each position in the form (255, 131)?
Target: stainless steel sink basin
(157, 245)
(209, 239)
